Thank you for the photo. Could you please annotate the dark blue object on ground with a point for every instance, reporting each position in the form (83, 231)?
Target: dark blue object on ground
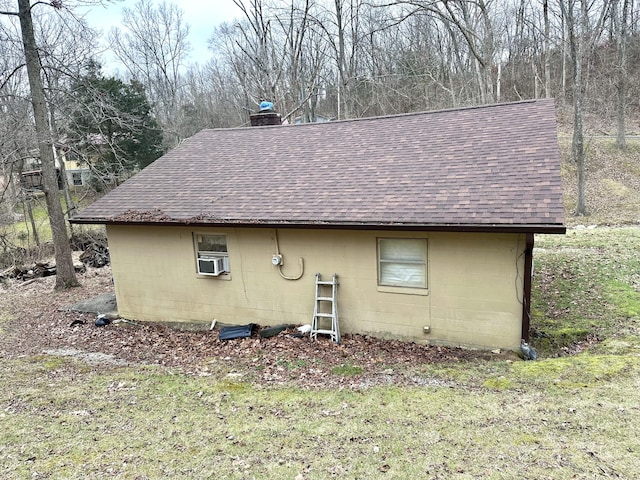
(102, 320)
(236, 331)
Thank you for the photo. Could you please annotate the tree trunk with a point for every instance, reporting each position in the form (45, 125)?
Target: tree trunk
(63, 172)
(343, 81)
(547, 50)
(576, 46)
(34, 229)
(65, 184)
(576, 41)
(65, 274)
(564, 58)
(499, 83)
(621, 40)
(9, 181)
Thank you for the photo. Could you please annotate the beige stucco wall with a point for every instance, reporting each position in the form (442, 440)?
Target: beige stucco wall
(473, 296)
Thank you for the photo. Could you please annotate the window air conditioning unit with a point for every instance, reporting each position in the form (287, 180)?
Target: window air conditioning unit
(211, 266)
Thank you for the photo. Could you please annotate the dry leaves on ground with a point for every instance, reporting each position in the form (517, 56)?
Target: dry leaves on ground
(36, 325)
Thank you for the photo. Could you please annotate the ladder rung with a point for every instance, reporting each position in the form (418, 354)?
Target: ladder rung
(325, 283)
(325, 299)
(325, 315)
(325, 332)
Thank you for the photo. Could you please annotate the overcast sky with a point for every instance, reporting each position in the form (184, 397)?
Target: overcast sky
(201, 15)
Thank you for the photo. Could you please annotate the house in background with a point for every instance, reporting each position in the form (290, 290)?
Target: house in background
(31, 179)
(428, 219)
(78, 172)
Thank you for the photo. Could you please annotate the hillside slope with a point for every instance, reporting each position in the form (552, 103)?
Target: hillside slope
(612, 182)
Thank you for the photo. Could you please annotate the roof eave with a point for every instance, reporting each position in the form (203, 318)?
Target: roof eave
(552, 228)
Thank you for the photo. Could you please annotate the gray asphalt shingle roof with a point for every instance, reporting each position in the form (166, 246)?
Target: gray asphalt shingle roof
(495, 165)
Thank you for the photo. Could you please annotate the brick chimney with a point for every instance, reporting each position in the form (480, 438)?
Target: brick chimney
(266, 116)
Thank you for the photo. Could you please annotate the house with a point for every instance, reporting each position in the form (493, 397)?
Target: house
(78, 172)
(427, 218)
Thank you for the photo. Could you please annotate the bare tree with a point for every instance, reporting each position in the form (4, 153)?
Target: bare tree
(273, 53)
(16, 138)
(620, 18)
(480, 28)
(547, 49)
(14, 118)
(258, 58)
(576, 45)
(153, 47)
(65, 273)
(346, 46)
(213, 98)
(65, 45)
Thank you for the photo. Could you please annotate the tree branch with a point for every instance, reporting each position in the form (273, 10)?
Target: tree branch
(15, 70)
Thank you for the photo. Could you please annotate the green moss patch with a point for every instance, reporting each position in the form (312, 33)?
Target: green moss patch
(581, 370)
(625, 298)
(347, 370)
(499, 383)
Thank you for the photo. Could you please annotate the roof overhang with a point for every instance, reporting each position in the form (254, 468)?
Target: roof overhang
(423, 227)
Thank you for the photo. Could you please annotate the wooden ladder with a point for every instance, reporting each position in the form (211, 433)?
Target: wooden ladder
(326, 309)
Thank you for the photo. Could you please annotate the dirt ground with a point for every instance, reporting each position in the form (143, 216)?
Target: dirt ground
(35, 324)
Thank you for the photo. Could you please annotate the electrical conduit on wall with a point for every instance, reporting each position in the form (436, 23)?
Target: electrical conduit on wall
(279, 265)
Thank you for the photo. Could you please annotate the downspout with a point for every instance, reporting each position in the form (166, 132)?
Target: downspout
(526, 295)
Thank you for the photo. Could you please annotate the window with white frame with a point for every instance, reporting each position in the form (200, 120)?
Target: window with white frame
(212, 256)
(402, 262)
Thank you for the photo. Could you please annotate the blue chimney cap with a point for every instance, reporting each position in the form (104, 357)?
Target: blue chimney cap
(266, 106)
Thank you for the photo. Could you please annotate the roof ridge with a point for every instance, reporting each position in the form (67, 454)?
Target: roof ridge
(388, 116)
(433, 112)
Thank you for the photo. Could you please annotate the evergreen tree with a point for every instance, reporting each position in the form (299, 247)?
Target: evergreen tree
(112, 128)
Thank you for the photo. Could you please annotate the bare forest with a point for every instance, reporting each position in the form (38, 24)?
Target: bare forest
(316, 60)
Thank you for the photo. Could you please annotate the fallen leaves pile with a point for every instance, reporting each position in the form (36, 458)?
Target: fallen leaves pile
(34, 324)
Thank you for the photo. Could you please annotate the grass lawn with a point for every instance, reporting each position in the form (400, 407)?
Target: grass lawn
(568, 416)
(20, 233)
(557, 418)
(587, 284)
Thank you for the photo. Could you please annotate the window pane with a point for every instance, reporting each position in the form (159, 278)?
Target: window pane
(77, 178)
(413, 250)
(212, 243)
(410, 275)
(402, 262)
